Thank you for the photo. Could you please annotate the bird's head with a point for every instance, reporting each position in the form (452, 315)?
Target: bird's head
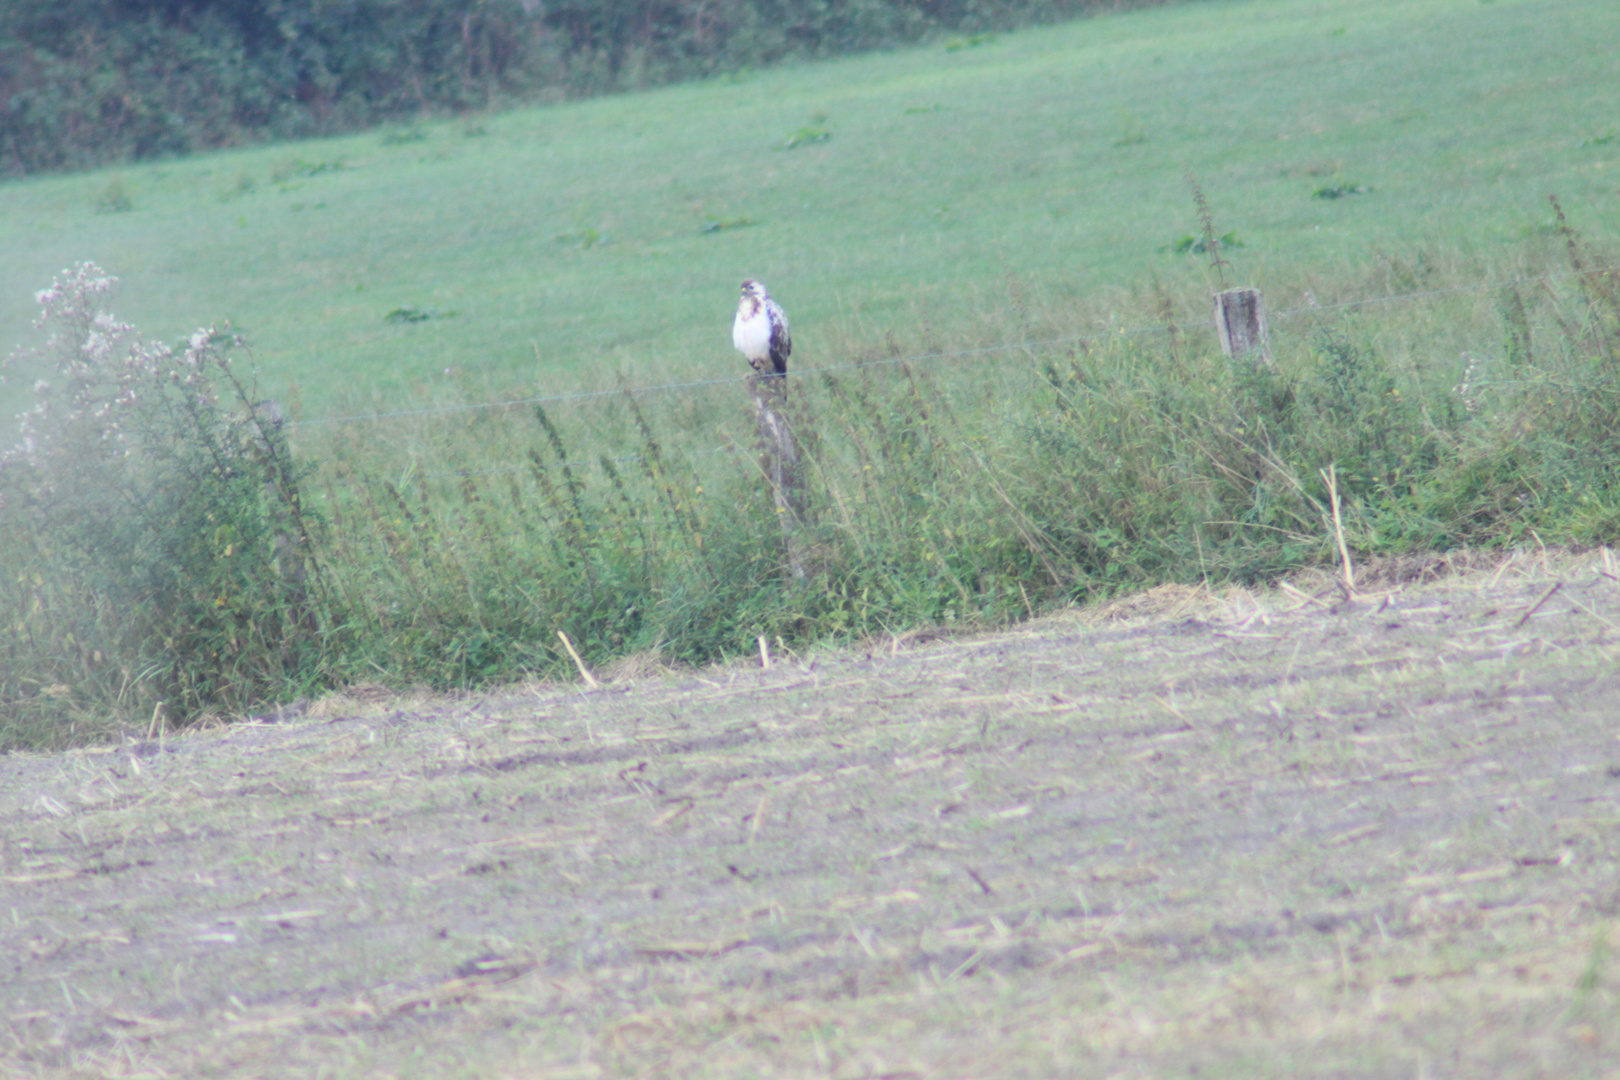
(753, 289)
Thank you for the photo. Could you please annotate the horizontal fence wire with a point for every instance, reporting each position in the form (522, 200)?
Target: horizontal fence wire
(572, 463)
(1311, 308)
(664, 388)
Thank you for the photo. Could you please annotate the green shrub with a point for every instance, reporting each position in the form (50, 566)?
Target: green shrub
(157, 547)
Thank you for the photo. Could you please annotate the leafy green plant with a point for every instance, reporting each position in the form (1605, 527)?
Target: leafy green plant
(806, 136)
(585, 238)
(1340, 191)
(154, 517)
(715, 225)
(413, 314)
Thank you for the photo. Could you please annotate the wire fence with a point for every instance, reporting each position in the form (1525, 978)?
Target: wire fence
(732, 381)
(918, 358)
(942, 356)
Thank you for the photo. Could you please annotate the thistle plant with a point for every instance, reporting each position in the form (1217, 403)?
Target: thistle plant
(103, 391)
(154, 507)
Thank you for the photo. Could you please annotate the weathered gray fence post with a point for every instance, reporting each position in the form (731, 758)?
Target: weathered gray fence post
(780, 462)
(1240, 322)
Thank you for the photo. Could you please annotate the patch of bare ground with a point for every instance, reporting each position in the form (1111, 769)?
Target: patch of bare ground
(1275, 833)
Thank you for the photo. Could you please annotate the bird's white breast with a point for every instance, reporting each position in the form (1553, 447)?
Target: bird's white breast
(751, 333)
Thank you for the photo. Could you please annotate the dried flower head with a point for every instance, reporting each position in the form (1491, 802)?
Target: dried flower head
(105, 387)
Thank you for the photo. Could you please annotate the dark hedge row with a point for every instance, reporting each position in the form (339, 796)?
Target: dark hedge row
(84, 82)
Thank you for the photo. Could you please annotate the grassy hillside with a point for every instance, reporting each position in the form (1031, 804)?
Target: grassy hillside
(569, 241)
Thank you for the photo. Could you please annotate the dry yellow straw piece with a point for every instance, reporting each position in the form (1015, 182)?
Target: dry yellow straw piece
(759, 818)
(1331, 475)
(584, 671)
(1535, 607)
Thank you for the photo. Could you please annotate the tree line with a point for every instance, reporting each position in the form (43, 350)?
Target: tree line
(87, 82)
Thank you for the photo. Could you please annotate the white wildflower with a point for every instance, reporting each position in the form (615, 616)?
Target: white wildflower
(197, 346)
(97, 346)
(1467, 390)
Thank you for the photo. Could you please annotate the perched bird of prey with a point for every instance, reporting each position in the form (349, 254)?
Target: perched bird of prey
(761, 330)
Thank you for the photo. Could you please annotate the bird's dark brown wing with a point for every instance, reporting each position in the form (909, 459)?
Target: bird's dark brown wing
(781, 341)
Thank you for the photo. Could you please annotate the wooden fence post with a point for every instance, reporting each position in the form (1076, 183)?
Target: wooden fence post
(1240, 321)
(780, 462)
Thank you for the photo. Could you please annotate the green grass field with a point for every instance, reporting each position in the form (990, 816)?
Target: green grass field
(569, 240)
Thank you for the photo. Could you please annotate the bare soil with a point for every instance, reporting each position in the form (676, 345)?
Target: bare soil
(1267, 834)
